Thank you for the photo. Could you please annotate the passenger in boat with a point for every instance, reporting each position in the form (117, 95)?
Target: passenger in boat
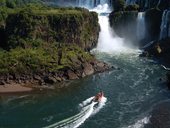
(98, 97)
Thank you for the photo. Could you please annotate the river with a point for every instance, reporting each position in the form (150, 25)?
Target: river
(131, 91)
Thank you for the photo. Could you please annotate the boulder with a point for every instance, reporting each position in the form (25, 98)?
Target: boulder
(160, 116)
(71, 75)
(88, 69)
(36, 77)
(49, 80)
(168, 80)
(2, 82)
(58, 79)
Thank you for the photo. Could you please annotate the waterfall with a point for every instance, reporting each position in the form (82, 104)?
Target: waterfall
(108, 41)
(165, 27)
(141, 29)
(92, 3)
(159, 2)
(128, 2)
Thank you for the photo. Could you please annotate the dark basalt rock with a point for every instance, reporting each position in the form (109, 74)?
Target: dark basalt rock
(168, 79)
(159, 50)
(160, 116)
(153, 19)
(70, 73)
(49, 80)
(124, 23)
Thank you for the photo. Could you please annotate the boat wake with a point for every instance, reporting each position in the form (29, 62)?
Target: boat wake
(140, 123)
(88, 108)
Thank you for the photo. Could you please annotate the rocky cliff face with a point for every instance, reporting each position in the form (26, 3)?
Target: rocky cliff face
(48, 45)
(72, 27)
(165, 25)
(148, 4)
(156, 20)
(124, 23)
(153, 19)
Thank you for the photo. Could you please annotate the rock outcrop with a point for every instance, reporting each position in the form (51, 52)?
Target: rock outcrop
(160, 116)
(124, 23)
(72, 73)
(46, 45)
(158, 49)
(148, 4)
(153, 19)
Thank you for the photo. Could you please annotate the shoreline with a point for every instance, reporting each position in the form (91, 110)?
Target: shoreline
(29, 83)
(14, 88)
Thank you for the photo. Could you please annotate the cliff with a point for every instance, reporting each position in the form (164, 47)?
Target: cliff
(45, 45)
(126, 20)
(124, 23)
(149, 4)
(71, 25)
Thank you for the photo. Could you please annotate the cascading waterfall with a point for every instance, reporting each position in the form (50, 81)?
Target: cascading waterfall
(165, 25)
(159, 2)
(108, 41)
(141, 29)
(128, 2)
(92, 3)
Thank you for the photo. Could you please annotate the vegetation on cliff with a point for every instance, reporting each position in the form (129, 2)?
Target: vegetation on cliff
(125, 27)
(71, 25)
(47, 44)
(48, 58)
(17, 3)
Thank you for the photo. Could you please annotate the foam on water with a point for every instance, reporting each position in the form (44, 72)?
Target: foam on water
(100, 106)
(87, 109)
(102, 9)
(87, 101)
(140, 123)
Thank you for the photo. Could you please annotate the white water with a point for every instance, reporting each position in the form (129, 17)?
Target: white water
(140, 123)
(92, 3)
(165, 27)
(141, 26)
(102, 9)
(86, 102)
(108, 41)
(87, 109)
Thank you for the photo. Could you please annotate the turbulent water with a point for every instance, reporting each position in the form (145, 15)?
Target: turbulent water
(131, 90)
(131, 93)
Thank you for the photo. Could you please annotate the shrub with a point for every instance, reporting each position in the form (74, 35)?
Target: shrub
(133, 7)
(119, 5)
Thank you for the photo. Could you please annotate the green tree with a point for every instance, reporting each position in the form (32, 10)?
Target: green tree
(10, 4)
(119, 5)
(133, 7)
(2, 3)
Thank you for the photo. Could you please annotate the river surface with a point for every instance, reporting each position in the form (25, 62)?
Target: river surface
(131, 92)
